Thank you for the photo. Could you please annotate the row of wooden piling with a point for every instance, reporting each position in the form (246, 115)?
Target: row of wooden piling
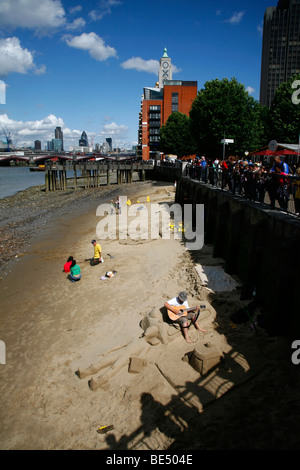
(92, 175)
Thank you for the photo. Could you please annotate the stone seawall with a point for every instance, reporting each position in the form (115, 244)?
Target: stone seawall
(259, 245)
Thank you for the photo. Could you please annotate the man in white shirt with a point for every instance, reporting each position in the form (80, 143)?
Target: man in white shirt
(180, 315)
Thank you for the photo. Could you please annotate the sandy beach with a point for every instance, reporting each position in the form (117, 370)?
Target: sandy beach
(96, 353)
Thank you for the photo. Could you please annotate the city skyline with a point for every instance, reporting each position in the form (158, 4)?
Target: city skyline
(82, 66)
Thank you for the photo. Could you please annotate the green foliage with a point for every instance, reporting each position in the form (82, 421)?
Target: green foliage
(225, 107)
(266, 134)
(284, 114)
(175, 136)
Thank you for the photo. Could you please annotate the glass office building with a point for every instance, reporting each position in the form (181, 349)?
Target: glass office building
(281, 47)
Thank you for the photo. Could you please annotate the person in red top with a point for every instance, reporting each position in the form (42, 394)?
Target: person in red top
(67, 265)
(282, 190)
(224, 167)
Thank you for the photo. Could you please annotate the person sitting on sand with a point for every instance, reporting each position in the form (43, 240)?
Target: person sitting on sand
(97, 254)
(75, 272)
(67, 265)
(175, 307)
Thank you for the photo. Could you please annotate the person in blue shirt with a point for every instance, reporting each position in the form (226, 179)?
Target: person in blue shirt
(203, 165)
(282, 165)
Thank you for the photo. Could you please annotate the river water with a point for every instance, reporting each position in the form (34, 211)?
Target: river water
(18, 178)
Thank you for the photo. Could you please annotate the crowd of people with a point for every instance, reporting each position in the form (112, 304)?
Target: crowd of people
(252, 180)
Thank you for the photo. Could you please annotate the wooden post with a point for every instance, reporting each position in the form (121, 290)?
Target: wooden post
(118, 174)
(47, 177)
(50, 179)
(85, 175)
(64, 176)
(47, 180)
(131, 173)
(75, 175)
(53, 180)
(108, 174)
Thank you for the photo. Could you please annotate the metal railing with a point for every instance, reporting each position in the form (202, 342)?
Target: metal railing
(278, 191)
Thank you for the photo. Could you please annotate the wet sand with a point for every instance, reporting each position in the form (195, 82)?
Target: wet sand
(54, 329)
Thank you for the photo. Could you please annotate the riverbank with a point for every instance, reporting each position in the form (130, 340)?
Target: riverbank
(25, 213)
(71, 347)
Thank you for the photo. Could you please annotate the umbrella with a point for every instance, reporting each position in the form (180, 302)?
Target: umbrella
(263, 152)
(286, 152)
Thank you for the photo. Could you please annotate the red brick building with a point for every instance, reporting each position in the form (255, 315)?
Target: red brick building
(158, 103)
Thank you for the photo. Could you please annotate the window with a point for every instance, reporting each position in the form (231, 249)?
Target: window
(155, 123)
(153, 138)
(153, 131)
(154, 115)
(174, 102)
(154, 108)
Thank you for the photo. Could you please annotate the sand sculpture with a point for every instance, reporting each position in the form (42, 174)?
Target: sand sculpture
(156, 331)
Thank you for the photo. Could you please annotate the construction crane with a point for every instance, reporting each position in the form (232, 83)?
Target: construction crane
(8, 139)
(92, 141)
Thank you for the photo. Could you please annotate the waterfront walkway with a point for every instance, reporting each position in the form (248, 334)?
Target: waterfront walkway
(254, 183)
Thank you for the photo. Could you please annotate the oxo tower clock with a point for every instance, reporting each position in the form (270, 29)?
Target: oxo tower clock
(165, 69)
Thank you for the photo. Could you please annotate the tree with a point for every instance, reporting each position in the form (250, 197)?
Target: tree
(175, 136)
(266, 134)
(285, 113)
(224, 107)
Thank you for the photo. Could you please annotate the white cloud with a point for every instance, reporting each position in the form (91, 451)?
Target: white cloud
(40, 70)
(118, 132)
(250, 90)
(26, 132)
(103, 9)
(142, 65)
(13, 58)
(236, 17)
(92, 43)
(33, 14)
(113, 129)
(75, 9)
(76, 24)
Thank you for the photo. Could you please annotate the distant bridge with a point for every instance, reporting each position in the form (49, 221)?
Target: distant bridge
(15, 157)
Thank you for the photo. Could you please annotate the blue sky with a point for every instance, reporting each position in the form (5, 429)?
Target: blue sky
(82, 65)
